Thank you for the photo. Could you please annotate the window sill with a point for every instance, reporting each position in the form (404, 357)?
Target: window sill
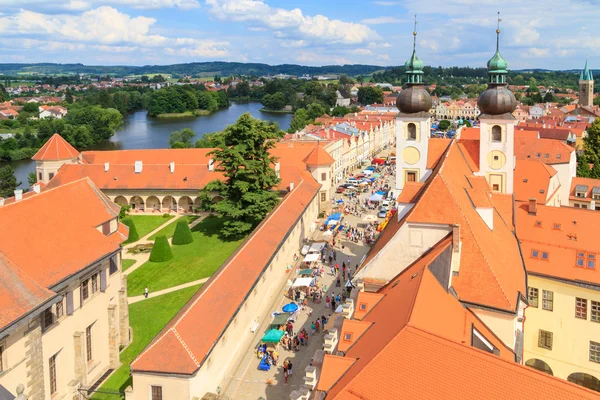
(91, 365)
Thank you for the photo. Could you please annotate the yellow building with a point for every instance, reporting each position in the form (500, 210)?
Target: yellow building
(562, 322)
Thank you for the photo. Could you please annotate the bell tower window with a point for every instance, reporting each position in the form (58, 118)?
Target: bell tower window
(411, 132)
(496, 133)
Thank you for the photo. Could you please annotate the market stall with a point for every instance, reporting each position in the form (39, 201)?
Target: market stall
(302, 282)
(311, 257)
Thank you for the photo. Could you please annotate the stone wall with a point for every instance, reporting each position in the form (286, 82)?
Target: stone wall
(123, 313)
(35, 360)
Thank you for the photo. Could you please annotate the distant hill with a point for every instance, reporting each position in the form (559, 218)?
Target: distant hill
(194, 69)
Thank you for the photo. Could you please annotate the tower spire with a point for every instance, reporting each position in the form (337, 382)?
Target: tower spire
(414, 66)
(415, 36)
(498, 33)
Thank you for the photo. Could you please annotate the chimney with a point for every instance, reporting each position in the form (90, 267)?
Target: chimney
(211, 165)
(532, 206)
(36, 188)
(1, 201)
(172, 166)
(277, 169)
(455, 238)
(138, 167)
(291, 186)
(18, 195)
(106, 166)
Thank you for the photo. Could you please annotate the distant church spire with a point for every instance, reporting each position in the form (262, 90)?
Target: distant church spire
(586, 74)
(414, 66)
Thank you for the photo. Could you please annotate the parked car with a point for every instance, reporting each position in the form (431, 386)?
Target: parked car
(367, 172)
(353, 181)
(382, 213)
(359, 176)
(385, 204)
(340, 189)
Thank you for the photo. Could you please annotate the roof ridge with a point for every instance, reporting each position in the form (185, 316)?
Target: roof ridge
(185, 346)
(475, 236)
(25, 198)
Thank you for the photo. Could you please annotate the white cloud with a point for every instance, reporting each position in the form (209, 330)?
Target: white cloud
(429, 44)
(535, 52)
(362, 52)
(381, 20)
(84, 5)
(292, 23)
(310, 57)
(105, 27)
(293, 43)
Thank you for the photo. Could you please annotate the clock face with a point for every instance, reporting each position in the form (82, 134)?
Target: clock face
(411, 155)
(496, 159)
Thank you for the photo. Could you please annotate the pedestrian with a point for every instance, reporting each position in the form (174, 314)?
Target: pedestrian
(313, 327)
(334, 253)
(285, 374)
(146, 292)
(333, 304)
(296, 344)
(289, 368)
(327, 302)
(317, 326)
(337, 268)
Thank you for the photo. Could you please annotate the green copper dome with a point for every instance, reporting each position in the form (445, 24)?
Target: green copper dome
(414, 64)
(497, 64)
(586, 74)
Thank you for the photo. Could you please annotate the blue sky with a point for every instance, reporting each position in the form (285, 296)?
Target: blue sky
(549, 34)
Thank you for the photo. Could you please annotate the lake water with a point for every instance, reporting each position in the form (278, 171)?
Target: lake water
(141, 132)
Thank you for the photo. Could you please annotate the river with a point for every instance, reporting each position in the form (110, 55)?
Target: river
(141, 132)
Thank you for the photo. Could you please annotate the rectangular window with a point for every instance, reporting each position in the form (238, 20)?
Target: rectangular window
(94, 283)
(88, 343)
(533, 297)
(545, 340)
(535, 253)
(85, 294)
(106, 228)
(547, 300)
(595, 314)
(156, 392)
(60, 310)
(113, 265)
(52, 370)
(48, 317)
(595, 352)
(323, 196)
(411, 176)
(544, 255)
(39, 176)
(1, 351)
(51, 175)
(580, 308)
(587, 260)
(323, 176)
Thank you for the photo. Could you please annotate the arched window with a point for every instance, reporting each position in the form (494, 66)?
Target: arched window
(412, 131)
(585, 380)
(539, 365)
(496, 133)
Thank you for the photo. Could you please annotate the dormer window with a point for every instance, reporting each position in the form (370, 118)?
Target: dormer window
(496, 133)
(538, 155)
(596, 193)
(348, 336)
(586, 260)
(535, 253)
(558, 156)
(363, 306)
(557, 226)
(538, 224)
(411, 132)
(581, 191)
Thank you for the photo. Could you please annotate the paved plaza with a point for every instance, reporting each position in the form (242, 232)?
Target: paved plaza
(250, 383)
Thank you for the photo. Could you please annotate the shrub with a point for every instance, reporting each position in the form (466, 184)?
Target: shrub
(166, 215)
(161, 251)
(183, 234)
(133, 233)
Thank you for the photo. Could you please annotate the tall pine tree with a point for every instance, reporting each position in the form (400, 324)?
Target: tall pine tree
(8, 181)
(246, 162)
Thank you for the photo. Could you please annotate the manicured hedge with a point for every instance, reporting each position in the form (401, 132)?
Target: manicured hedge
(133, 233)
(183, 234)
(161, 251)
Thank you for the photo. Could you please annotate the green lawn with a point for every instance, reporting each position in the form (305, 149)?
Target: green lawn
(146, 223)
(190, 262)
(146, 318)
(127, 262)
(169, 230)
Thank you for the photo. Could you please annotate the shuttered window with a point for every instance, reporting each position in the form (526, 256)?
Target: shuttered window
(103, 280)
(545, 340)
(156, 392)
(70, 303)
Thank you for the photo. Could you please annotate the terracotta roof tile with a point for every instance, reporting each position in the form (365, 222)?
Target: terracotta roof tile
(435, 150)
(470, 150)
(351, 331)
(56, 148)
(410, 191)
(530, 148)
(319, 157)
(334, 367)
(532, 180)
(365, 302)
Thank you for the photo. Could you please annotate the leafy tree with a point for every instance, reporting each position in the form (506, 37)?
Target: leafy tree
(210, 140)
(246, 163)
(32, 108)
(124, 212)
(102, 122)
(31, 178)
(69, 96)
(183, 234)
(208, 101)
(242, 89)
(370, 95)
(158, 79)
(592, 140)
(161, 250)
(299, 120)
(444, 125)
(315, 110)
(344, 80)
(274, 101)
(181, 139)
(8, 181)
(548, 97)
(3, 93)
(340, 111)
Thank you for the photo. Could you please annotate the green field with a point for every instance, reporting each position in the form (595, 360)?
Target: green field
(146, 223)
(146, 319)
(127, 263)
(169, 230)
(191, 262)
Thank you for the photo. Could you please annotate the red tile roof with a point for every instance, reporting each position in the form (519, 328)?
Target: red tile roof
(589, 182)
(532, 148)
(184, 344)
(61, 239)
(562, 232)
(319, 157)
(56, 148)
(435, 149)
(532, 180)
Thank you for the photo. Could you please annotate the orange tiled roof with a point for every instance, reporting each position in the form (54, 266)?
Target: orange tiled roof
(184, 344)
(491, 269)
(562, 232)
(351, 332)
(56, 148)
(435, 149)
(365, 302)
(469, 133)
(334, 367)
(529, 148)
(319, 157)
(470, 150)
(532, 180)
(410, 191)
(589, 182)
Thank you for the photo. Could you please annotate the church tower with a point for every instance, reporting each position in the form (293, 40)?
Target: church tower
(413, 123)
(586, 87)
(497, 126)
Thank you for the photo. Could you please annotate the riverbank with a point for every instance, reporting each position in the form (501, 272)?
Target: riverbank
(284, 111)
(187, 114)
